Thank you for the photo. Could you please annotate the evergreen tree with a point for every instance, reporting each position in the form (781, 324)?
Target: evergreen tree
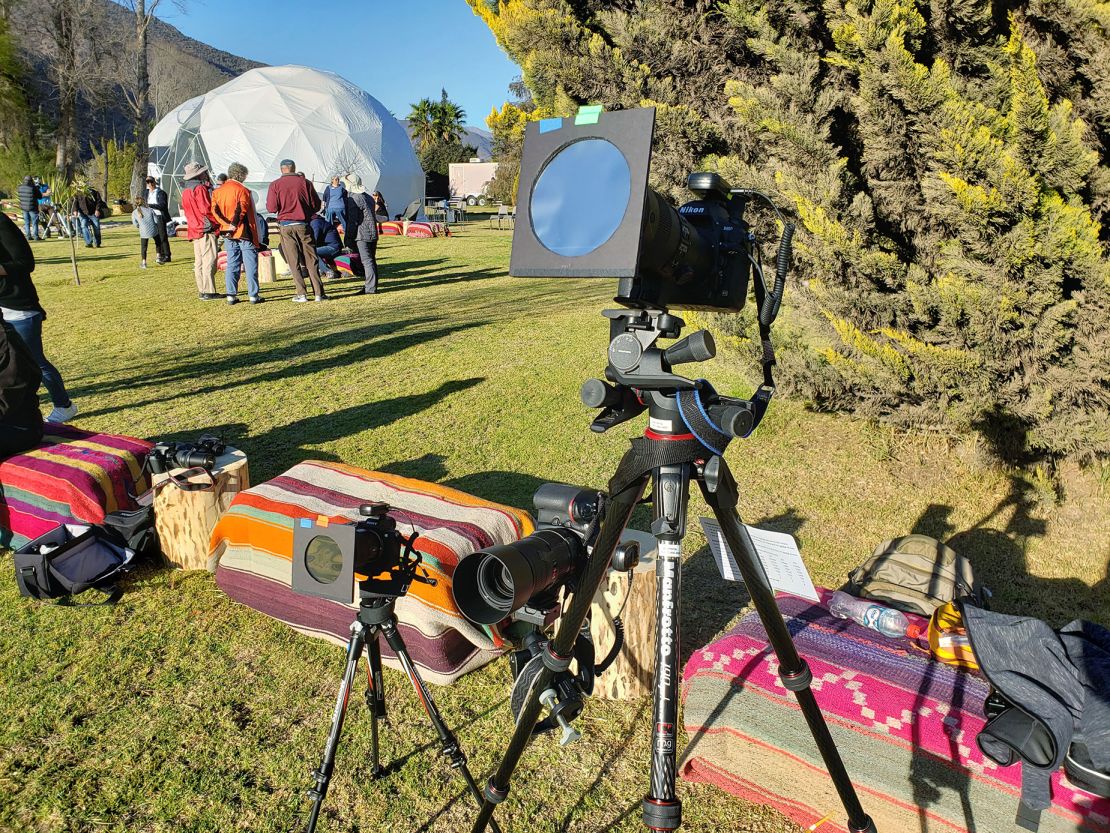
(947, 162)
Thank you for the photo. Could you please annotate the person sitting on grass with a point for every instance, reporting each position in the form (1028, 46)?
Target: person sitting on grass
(326, 238)
(381, 211)
(335, 201)
(22, 312)
(233, 208)
(144, 220)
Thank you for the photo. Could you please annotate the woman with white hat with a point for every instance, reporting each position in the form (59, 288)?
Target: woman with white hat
(362, 230)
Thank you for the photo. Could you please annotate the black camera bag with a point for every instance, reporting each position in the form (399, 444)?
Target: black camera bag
(133, 529)
(84, 558)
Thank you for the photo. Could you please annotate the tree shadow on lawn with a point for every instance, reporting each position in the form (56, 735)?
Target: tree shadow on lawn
(279, 449)
(292, 369)
(439, 279)
(999, 557)
(290, 344)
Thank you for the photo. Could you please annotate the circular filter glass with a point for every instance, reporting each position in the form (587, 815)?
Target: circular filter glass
(580, 197)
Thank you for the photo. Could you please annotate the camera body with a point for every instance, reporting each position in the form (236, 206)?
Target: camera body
(695, 258)
(164, 457)
(330, 559)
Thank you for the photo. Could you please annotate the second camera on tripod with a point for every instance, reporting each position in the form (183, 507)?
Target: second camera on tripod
(523, 580)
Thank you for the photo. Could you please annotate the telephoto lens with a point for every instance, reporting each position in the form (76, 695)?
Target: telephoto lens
(489, 585)
(192, 457)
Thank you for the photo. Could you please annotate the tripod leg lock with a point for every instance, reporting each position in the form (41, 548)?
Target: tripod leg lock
(662, 815)
(554, 662)
(494, 794)
(798, 680)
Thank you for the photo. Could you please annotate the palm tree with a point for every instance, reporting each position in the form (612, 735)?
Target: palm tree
(448, 118)
(422, 121)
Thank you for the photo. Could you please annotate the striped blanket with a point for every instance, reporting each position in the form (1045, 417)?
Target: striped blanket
(251, 551)
(72, 476)
(905, 724)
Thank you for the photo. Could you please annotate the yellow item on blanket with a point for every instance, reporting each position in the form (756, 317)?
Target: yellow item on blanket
(948, 640)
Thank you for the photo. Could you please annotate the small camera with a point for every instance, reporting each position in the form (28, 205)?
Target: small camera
(329, 559)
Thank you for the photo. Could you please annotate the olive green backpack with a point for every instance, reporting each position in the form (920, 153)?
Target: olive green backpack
(916, 574)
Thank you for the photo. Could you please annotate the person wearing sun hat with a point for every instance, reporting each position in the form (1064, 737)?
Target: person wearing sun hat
(196, 203)
(362, 230)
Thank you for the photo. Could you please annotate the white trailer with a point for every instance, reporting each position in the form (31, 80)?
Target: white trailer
(468, 181)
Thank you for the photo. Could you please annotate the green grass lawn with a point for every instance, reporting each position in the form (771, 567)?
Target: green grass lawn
(177, 710)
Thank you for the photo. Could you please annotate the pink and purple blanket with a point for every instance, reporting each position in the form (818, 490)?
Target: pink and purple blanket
(905, 724)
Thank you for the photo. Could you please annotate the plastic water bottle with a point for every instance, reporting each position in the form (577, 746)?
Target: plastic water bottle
(885, 620)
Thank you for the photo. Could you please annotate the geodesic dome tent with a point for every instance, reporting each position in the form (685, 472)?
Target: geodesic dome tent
(322, 122)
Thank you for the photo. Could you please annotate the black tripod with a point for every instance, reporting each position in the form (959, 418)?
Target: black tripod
(376, 618)
(689, 427)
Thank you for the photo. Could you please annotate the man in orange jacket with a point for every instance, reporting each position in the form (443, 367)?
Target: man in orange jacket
(233, 208)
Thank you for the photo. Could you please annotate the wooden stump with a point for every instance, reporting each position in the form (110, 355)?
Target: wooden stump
(185, 520)
(631, 675)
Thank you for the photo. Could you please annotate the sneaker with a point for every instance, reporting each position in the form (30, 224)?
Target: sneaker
(299, 299)
(63, 414)
(321, 297)
(256, 299)
(209, 296)
(142, 264)
(232, 300)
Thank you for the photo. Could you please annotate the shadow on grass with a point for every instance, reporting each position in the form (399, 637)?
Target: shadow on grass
(202, 361)
(276, 450)
(507, 487)
(290, 369)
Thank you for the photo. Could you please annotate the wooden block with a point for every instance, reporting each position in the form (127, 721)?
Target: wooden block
(632, 674)
(185, 520)
(266, 272)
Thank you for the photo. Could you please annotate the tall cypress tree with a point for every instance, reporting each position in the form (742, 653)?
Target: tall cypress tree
(947, 162)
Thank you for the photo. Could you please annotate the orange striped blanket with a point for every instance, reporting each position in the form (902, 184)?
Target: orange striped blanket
(251, 555)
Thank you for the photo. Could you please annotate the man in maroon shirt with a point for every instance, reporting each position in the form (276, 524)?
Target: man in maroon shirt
(196, 202)
(294, 200)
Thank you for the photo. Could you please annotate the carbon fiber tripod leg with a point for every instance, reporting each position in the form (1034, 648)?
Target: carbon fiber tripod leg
(721, 493)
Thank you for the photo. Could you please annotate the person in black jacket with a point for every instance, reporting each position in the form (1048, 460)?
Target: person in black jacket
(362, 230)
(23, 314)
(20, 418)
(29, 204)
(159, 202)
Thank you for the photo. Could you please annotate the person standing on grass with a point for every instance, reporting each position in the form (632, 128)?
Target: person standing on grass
(144, 220)
(21, 310)
(196, 202)
(327, 243)
(362, 230)
(294, 199)
(335, 202)
(159, 202)
(29, 196)
(88, 208)
(233, 208)
(381, 210)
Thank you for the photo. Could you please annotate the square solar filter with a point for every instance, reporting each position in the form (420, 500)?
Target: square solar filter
(580, 200)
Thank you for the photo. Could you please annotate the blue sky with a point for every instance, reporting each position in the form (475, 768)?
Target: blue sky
(397, 50)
